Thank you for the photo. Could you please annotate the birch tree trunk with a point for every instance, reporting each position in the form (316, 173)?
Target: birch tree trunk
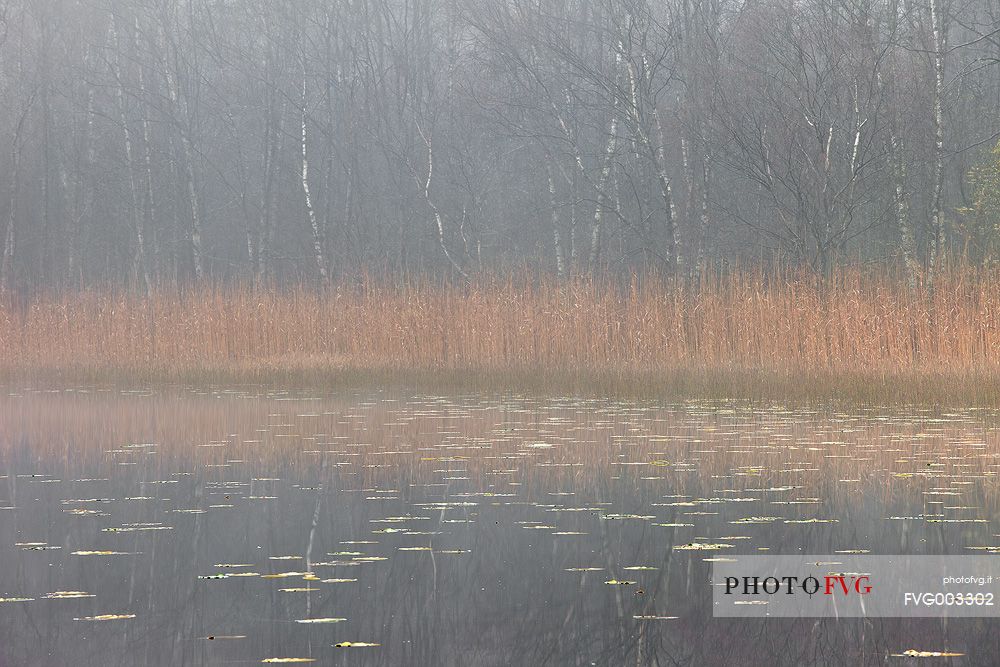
(149, 201)
(553, 204)
(274, 141)
(602, 181)
(140, 267)
(85, 184)
(317, 238)
(704, 218)
(897, 160)
(939, 37)
(438, 219)
(10, 234)
(182, 113)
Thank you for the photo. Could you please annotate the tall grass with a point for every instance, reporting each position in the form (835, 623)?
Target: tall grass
(742, 332)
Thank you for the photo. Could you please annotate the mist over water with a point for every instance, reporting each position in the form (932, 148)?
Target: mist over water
(461, 530)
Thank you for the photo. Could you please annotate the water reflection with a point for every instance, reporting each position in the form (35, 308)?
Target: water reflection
(189, 527)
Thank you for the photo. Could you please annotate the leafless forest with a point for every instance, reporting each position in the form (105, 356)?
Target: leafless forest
(157, 142)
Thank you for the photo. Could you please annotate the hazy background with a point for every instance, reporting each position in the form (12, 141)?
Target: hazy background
(147, 142)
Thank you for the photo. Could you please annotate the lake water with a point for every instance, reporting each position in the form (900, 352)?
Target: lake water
(190, 527)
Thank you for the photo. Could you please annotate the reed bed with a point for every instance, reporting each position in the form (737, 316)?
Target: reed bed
(739, 333)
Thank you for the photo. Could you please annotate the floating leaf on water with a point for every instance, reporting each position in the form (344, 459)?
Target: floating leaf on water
(66, 595)
(355, 645)
(641, 567)
(214, 637)
(232, 565)
(320, 620)
(103, 553)
(616, 582)
(282, 575)
(913, 653)
(702, 546)
(3, 600)
(36, 546)
(584, 569)
(105, 617)
(337, 581)
(285, 557)
(414, 549)
(298, 590)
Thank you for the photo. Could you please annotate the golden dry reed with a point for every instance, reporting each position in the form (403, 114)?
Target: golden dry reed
(739, 333)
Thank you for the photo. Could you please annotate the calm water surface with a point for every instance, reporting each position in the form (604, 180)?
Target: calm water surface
(233, 527)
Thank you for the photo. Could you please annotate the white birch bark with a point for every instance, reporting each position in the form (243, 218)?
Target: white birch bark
(10, 237)
(553, 204)
(149, 202)
(182, 113)
(597, 227)
(317, 238)
(940, 45)
(139, 260)
(438, 219)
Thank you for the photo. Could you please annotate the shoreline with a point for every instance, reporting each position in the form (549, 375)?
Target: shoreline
(923, 388)
(857, 336)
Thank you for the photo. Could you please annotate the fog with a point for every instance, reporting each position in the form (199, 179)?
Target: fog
(162, 142)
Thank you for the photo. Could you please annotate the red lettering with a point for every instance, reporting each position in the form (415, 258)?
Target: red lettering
(831, 584)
